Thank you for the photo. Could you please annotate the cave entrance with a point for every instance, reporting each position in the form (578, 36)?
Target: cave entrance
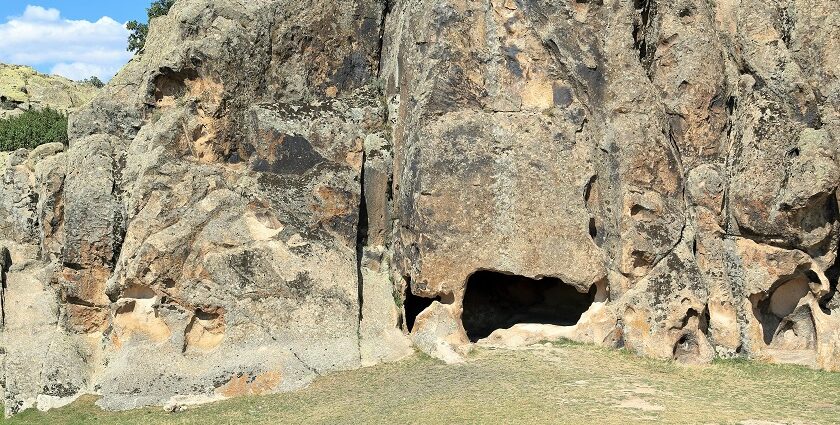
(498, 301)
(414, 305)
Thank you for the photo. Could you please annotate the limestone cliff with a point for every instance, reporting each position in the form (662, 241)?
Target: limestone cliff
(23, 88)
(279, 189)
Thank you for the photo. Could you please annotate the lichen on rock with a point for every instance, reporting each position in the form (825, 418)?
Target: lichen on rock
(22, 88)
(276, 190)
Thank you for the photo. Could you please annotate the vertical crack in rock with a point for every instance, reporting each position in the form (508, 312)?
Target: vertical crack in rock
(119, 225)
(732, 107)
(386, 10)
(593, 222)
(361, 237)
(5, 263)
(646, 14)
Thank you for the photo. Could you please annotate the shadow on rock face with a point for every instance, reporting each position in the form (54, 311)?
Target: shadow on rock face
(785, 321)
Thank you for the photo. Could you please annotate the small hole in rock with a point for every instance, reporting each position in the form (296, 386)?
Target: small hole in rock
(204, 315)
(638, 209)
(172, 84)
(138, 292)
(414, 305)
(126, 308)
(783, 323)
(731, 104)
(686, 347)
(496, 300)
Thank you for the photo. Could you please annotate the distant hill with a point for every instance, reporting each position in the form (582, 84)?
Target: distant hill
(22, 88)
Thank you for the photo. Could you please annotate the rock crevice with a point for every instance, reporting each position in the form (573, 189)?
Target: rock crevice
(276, 190)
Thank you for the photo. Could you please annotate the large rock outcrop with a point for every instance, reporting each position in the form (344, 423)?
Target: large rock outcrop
(22, 88)
(276, 190)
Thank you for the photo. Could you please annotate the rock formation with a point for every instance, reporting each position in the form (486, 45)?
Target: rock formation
(277, 189)
(23, 88)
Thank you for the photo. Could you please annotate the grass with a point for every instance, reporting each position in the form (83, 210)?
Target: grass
(544, 384)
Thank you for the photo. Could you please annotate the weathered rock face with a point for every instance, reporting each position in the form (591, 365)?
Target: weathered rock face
(653, 151)
(22, 88)
(277, 189)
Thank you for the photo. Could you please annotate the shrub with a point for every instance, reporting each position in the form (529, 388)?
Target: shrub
(139, 31)
(33, 128)
(94, 81)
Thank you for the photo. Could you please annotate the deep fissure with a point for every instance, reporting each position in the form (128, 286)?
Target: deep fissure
(5, 264)
(361, 238)
(496, 300)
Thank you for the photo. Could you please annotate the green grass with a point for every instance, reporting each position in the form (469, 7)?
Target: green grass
(545, 384)
(33, 128)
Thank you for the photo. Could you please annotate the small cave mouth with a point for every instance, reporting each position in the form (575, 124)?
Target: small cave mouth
(687, 348)
(414, 305)
(171, 83)
(496, 300)
(785, 325)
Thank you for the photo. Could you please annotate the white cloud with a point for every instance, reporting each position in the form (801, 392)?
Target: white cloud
(74, 49)
(35, 13)
(82, 70)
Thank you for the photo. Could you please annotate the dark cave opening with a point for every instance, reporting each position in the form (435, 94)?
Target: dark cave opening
(414, 305)
(498, 301)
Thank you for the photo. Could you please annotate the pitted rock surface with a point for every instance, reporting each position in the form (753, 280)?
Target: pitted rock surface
(277, 189)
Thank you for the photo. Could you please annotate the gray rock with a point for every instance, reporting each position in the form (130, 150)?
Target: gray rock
(276, 190)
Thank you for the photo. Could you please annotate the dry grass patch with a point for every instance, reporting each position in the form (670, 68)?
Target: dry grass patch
(547, 383)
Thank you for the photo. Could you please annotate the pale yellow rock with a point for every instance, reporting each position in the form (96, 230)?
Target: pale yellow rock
(23, 88)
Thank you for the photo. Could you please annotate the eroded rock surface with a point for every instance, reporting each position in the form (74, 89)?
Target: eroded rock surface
(22, 88)
(276, 190)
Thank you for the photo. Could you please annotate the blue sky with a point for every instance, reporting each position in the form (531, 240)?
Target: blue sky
(73, 38)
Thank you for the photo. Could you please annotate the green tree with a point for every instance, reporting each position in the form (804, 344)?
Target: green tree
(33, 128)
(94, 81)
(139, 31)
